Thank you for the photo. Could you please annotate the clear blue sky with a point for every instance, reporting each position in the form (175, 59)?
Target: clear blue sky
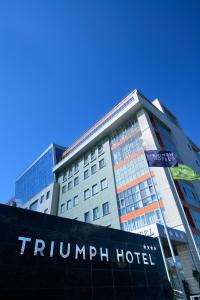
(64, 64)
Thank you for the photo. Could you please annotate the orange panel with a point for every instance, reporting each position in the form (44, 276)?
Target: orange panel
(132, 183)
(142, 211)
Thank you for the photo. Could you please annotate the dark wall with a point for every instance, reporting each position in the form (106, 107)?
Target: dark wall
(47, 274)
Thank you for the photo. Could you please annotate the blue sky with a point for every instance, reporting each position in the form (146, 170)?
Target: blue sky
(64, 64)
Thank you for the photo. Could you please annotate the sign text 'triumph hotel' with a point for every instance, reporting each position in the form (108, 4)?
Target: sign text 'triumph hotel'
(84, 252)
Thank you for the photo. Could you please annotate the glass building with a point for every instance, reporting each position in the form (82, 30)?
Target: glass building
(38, 175)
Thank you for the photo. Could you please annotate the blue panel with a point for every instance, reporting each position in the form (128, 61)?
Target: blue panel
(35, 179)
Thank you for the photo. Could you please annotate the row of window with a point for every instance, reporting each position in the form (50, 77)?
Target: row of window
(87, 194)
(70, 185)
(70, 203)
(125, 150)
(189, 193)
(95, 189)
(71, 170)
(124, 131)
(143, 220)
(74, 168)
(137, 197)
(95, 214)
(93, 154)
(34, 205)
(94, 168)
(75, 182)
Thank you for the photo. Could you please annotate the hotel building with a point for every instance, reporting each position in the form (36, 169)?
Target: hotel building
(104, 178)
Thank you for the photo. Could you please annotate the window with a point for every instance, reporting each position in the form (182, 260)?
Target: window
(86, 194)
(46, 211)
(42, 199)
(70, 171)
(104, 184)
(62, 208)
(34, 205)
(48, 195)
(69, 185)
(95, 189)
(105, 208)
(86, 160)
(64, 175)
(76, 167)
(87, 217)
(76, 181)
(197, 162)
(86, 174)
(96, 213)
(69, 204)
(93, 154)
(76, 200)
(101, 163)
(64, 189)
(93, 169)
(100, 149)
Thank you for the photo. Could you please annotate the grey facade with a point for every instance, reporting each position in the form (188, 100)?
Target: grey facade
(94, 168)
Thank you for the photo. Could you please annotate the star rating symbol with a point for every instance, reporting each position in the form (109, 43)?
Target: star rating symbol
(148, 247)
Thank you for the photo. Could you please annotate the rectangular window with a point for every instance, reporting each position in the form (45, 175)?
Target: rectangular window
(93, 155)
(69, 185)
(93, 169)
(100, 149)
(62, 208)
(76, 167)
(86, 174)
(95, 189)
(105, 208)
(87, 217)
(64, 189)
(42, 199)
(76, 200)
(104, 184)
(46, 211)
(86, 160)
(64, 175)
(48, 195)
(76, 181)
(34, 205)
(86, 194)
(96, 213)
(69, 204)
(102, 163)
(70, 171)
